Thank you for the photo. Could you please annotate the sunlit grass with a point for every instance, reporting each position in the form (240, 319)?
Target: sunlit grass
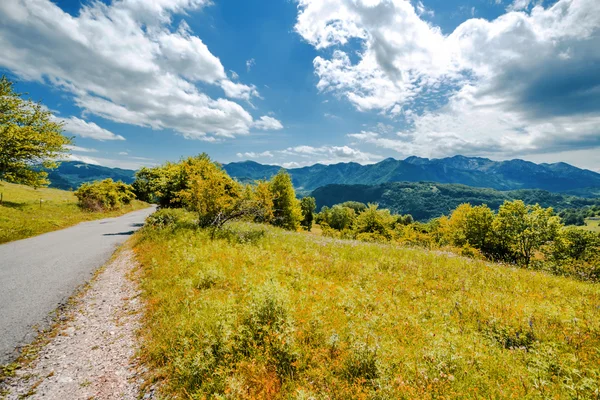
(23, 215)
(592, 224)
(297, 316)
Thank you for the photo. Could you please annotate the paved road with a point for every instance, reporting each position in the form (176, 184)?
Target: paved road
(40, 273)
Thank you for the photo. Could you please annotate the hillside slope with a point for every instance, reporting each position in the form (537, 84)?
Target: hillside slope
(71, 174)
(471, 171)
(261, 313)
(427, 200)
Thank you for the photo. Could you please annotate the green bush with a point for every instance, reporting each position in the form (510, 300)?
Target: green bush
(104, 195)
(166, 217)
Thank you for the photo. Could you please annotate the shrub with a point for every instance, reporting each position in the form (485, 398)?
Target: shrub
(166, 217)
(104, 195)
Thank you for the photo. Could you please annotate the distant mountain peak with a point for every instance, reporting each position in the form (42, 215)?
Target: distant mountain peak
(471, 171)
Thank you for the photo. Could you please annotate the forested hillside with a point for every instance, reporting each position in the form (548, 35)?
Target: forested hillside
(471, 171)
(426, 200)
(71, 174)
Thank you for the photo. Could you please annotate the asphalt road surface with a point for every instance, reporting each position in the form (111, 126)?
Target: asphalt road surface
(39, 274)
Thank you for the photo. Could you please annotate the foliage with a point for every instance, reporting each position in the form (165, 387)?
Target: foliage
(517, 234)
(104, 195)
(26, 212)
(341, 217)
(303, 316)
(308, 206)
(357, 206)
(427, 200)
(525, 228)
(29, 136)
(375, 222)
(165, 218)
(286, 208)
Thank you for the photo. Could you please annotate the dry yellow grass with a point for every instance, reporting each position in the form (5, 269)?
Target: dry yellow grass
(263, 313)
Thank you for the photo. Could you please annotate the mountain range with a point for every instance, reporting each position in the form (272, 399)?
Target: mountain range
(70, 174)
(470, 171)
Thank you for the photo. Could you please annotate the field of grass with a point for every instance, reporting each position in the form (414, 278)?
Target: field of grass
(22, 215)
(592, 224)
(263, 313)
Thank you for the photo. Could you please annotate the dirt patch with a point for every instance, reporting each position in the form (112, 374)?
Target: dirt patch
(92, 356)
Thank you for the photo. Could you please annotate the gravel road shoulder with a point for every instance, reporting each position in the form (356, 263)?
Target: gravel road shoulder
(92, 355)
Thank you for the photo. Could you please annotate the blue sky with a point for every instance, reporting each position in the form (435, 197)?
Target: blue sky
(292, 83)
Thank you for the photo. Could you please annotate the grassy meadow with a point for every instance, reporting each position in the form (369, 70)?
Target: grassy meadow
(261, 313)
(592, 224)
(22, 215)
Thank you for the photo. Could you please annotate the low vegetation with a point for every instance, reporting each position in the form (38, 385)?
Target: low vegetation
(259, 312)
(105, 195)
(529, 236)
(428, 200)
(248, 310)
(25, 211)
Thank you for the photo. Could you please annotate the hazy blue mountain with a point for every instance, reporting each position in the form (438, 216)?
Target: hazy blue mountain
(426, 200)
(471, 171)
(71, 174)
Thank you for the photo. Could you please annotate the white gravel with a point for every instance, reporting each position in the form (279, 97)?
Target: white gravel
(92, 356)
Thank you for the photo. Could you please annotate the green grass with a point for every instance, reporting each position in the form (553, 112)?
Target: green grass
(263, 313)
(22, 216)
(592, 224)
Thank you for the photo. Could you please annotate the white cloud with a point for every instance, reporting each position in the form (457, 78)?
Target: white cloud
(123, 153)
(111, 163)
(526, 82)
(81, 149)
(83, 159)
(124, 62)
(90, 130)
(518, 5)
(250, 63)
(267, 123)
(252, 154)
(330, 154)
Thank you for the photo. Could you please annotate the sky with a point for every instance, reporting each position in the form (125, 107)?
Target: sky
(298, 82)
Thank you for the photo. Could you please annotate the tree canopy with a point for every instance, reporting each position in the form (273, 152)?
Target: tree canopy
(29, 138)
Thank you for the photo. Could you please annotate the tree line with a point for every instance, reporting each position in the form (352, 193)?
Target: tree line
(529, 236)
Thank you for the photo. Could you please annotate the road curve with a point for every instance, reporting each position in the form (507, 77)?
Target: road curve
(40, 273)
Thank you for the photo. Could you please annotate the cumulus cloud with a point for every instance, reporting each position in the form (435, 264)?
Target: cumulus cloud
(126, 63)
(267, 123)
(524, 83)
(90, 130)
(80, 149)
(330, 155)
(252, 154)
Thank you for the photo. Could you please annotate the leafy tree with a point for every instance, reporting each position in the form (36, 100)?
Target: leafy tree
(308, 206)
(478, 228)
(29, 137)
(525, 228)
(287, 212)
(209, 191)
(264, 198)
(341, 217)
(147, 184)
(374, 223)
(357, 206)
(104, 195)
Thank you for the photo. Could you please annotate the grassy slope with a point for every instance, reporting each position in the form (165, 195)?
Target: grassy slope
(592, 224)
(294, 316)
(21, 215)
